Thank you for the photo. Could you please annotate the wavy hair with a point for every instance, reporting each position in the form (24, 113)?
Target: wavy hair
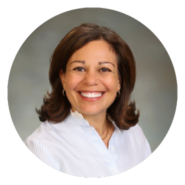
(56, 107)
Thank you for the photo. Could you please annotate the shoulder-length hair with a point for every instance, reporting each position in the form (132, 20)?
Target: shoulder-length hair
(56, 107)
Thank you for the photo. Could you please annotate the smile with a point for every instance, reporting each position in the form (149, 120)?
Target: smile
(91, 96)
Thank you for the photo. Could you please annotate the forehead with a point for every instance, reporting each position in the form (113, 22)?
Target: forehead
(94, 51)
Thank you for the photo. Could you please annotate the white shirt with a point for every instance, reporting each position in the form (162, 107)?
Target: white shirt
(74, 147)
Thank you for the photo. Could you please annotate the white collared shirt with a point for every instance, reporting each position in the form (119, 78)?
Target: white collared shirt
(74, 147)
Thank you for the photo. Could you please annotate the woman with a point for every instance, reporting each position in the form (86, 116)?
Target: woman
(89, 126)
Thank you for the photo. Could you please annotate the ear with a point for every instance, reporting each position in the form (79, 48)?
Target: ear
(62, 78)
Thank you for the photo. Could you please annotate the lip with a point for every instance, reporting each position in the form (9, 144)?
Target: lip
(91, 99)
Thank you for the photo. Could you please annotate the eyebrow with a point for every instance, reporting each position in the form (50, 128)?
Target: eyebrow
(83, 62)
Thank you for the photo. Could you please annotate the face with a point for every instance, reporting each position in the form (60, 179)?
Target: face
(91, 79)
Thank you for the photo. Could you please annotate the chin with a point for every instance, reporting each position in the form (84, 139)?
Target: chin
(92, 111)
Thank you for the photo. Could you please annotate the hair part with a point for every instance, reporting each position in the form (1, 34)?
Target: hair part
(56, 107)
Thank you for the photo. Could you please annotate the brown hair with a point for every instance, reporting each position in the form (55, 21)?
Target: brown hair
(56, 107)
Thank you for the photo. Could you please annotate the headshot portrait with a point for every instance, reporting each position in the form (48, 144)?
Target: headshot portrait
(92, 92)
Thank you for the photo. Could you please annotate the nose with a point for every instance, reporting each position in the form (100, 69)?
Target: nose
(91, 78)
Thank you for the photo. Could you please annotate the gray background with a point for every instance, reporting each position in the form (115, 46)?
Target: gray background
(155, 90)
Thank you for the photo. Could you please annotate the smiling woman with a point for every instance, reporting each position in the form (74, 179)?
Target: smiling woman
(89, 124)
(91, 85)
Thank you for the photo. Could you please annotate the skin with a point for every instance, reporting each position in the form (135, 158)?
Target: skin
(93, 68)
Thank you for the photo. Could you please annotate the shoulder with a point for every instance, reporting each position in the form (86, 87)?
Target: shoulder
(48, 130)
(36, 141)
(139, 140)
(39, 144)
(136, 131)
(41, 130)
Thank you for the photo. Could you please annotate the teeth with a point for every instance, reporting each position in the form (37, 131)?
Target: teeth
(91, 95)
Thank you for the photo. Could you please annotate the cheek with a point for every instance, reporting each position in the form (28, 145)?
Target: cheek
(72, 82)
(112, 84)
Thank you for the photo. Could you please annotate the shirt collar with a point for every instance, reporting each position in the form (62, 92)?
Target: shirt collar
(83, 122)
(76, 114)
(78, 119)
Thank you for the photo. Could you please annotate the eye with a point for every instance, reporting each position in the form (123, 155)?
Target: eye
(105, 69)
(79, 69)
